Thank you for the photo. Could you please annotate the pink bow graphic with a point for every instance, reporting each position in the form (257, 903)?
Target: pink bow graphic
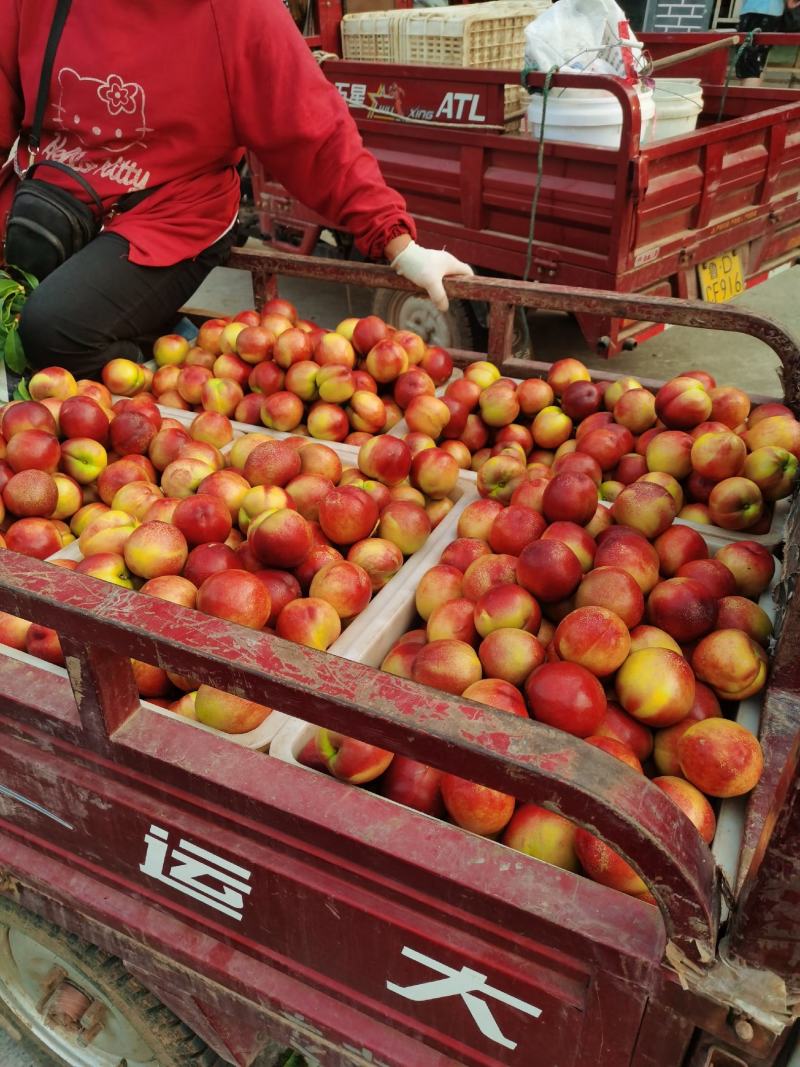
(118, 95)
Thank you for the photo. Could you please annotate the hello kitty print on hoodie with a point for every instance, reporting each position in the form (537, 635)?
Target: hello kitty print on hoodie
(106, 115)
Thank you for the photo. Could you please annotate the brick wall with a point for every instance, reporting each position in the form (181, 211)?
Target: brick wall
(677, 16)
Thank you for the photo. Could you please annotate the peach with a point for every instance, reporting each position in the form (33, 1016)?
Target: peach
(405, 524)
(645, 636)
(182, 477)
(53, 382)
(367, 412)
(22, 415)
(511, 654)
(773, 469)
(498, 405)
(476, 807)
(574, 537)
(533, 395)
(606, 444)
(665, 749)
(345, 586)
(434, 473)
(720, 758)
(570, 497)
(739, 613)
(612, 588)
(616, 748)
(620, 726)
(282, 411)
(731, 663)
(282, 588)
(697, 513)
(782, 431)
(735, 504)
(506, 606)
(482, 373)
(452, 620)
(691, 802)
(272, 463)
(399, 660)
(229, 487)
(208, 559)
(751, 565)
(463, 551)
(684, 607)
(351, 760)
(334, 349)
(428, 415)
(387, 459)
(500, 476)
(43, 642)
(166, 446)
(317, 558)
(213, 428)
(644, 507)
(551, 427)
(202, 519)
(599, 522)
(718, 455)
(661, 704)
(237, 596)
(593, 637)
(630, 552)
(477, 519)
(514, 528)
(107, 533)
(13, 631)
(109, 567)
(671, 452)
(81, 519)
(266, 378)
(379, 558)
(449, 665)
(306, 492)
(155, 549)
(636, 410)
(766, 411)
(666, 481)
(548, 569)
(309, 621)
(436, 587)
(630, 468)
(683, 403)
(31, 493)
(204, 452)
(712, 573)
(190, 383)
(226, 712)
(567, 696)
(230, 332)
(281, 538)
(221, 394)
(616, 389)
(679, 545)
(487, 572)
(136, 498)
(499, 694)
(605, 866)
(259, 499)
(544, 835)
(581, 398)
(563, 372)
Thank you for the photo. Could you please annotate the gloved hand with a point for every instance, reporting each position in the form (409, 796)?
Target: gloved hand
(426, 267)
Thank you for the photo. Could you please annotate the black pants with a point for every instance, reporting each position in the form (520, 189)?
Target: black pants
(752, 58)
(98, 305)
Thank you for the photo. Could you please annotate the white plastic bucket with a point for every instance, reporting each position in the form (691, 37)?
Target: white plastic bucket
(586, 116)
(678, 102)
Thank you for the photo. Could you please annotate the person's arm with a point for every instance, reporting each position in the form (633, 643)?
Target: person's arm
(288, 113)
(11, 105)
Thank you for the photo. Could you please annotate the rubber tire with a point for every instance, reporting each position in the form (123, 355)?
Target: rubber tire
(174, 1043)
(388, 305)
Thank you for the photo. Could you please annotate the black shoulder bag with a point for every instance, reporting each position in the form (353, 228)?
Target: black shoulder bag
(47, 224)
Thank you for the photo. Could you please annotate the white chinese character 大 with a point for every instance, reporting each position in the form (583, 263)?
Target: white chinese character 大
(471, 987)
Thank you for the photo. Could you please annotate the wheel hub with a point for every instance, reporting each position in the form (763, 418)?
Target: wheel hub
(63, 1008)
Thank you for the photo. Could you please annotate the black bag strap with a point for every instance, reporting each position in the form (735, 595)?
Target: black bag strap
(56, 29)
(72, 174)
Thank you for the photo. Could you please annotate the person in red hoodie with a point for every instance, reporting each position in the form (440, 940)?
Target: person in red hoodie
(163, 96)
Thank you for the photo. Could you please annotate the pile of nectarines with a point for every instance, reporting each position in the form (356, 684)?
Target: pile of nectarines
(270, 534)
(617, 627)
(291, 375)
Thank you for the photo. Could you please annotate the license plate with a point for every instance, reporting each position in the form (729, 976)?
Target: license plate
(721, 278)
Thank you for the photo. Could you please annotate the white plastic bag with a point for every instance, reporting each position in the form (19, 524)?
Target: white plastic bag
(583, 35)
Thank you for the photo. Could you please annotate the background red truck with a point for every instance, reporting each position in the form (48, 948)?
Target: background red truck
(638, 219)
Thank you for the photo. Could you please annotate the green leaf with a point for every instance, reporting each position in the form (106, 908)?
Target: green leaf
(22, 392)
(13, 352)
(28, 280)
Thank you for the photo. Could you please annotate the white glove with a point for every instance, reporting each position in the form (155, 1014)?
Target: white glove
(426, 267)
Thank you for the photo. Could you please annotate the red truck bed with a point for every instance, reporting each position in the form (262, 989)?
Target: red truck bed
(255, 898)
(637, 219)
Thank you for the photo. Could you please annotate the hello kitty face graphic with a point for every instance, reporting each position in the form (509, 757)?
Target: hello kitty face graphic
(105, 114)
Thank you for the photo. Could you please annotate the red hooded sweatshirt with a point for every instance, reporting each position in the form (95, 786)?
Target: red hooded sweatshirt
(168, 93)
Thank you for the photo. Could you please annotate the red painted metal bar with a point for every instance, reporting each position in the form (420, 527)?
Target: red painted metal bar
(521, 757)
(264, 264)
